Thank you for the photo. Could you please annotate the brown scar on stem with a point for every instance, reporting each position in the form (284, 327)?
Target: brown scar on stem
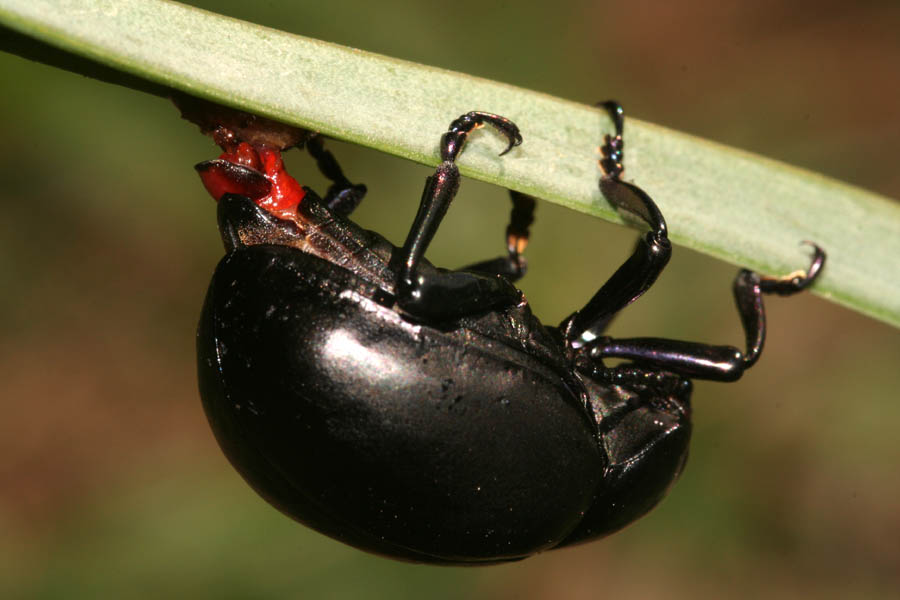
(213, 118)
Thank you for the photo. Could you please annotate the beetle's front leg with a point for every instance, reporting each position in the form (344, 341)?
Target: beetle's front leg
(703, 361)
(342, 197)
(449, 294)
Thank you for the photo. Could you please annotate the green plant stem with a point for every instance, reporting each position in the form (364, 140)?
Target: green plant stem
(727, 203)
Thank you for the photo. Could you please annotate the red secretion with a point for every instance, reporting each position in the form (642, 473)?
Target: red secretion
(256, 172)
(286, 193)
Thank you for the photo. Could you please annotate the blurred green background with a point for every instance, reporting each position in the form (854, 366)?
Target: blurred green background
(111, 485)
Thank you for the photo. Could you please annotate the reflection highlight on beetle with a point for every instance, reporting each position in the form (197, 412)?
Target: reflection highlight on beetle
(343, 348)
(426, 414)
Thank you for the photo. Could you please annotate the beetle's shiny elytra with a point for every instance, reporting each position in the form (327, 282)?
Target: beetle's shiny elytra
(425, 414)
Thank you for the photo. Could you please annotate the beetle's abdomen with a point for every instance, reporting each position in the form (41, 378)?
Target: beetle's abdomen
(397, 438)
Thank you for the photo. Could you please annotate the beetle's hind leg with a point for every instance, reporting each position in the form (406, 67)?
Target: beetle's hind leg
(342, 197)
(650, 256)
(445, 295)
(513, 265)
(704, 361)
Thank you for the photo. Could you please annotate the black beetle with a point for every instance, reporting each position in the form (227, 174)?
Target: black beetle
(426, 414)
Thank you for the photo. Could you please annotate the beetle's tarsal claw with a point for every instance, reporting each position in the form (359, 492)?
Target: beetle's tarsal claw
(453, 140)
(798, 280)
(511, 131)
(818, 261)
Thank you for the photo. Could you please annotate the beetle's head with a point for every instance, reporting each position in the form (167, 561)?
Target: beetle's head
(258, 199)
(644, 429)
(254, 171)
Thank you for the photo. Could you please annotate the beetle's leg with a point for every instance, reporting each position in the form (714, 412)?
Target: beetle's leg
(703, 361)
(449, 294)
(649, 258)
(343, 197)
(513, 265)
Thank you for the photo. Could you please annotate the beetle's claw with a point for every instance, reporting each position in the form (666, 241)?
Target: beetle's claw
(510, 130)
(798, 280)
(506, 127)
(474, 119)
(818, 261)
